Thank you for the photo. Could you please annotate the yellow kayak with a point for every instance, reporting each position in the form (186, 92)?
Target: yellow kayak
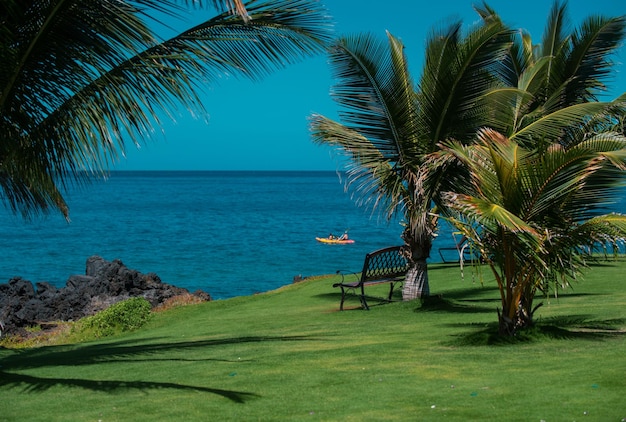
(337, 241)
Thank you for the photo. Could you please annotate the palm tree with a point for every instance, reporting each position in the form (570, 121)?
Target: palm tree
(534, 214)
(491, 78)
(532, 202)
(390, 125)
(77, 78)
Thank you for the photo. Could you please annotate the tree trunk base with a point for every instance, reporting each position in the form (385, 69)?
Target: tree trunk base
(510, 327)
(416, 282)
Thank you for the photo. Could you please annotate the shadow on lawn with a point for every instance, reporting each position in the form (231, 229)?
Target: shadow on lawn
(471, 300)
(480, 300)
(459, 301)
(569, 327)
(33, 384)
(116, 352)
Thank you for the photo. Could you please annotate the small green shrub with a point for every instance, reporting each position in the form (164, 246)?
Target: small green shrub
(33, 329)
(126, 315)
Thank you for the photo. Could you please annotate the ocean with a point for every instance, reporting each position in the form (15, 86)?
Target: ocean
(226, 233)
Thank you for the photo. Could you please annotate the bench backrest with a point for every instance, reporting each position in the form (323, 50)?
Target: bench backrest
(383, 264)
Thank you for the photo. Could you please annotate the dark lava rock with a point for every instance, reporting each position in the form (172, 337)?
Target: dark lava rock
(104, 283)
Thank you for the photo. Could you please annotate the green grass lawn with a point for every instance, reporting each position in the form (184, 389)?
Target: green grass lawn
(290, 355)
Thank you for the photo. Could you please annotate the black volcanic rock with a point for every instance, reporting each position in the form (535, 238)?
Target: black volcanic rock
(104, 283)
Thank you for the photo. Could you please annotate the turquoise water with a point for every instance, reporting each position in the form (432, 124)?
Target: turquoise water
(227, 233)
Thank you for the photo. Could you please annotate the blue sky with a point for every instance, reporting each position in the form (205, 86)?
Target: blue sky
(263, 125)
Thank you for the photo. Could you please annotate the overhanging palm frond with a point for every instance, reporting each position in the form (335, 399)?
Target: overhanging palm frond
(34, 190)
(93, 73)
(51, 51)
(280, 32)
(232, 6)
(130, 95)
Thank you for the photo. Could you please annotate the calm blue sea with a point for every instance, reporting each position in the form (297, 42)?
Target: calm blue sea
(227, 233)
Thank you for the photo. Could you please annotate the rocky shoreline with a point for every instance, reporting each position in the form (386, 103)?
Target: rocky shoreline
(24, 305)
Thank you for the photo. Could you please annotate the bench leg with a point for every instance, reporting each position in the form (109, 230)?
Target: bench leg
(363, 301)
(391, 286)
(343, 297)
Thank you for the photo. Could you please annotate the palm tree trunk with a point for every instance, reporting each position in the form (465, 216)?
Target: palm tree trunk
(416, 282)
(418, 240)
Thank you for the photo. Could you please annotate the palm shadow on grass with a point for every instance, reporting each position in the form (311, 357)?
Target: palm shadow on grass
(568, 327)
(115, 352)
(32, 384)
(459, 301)
(486, 300)
(465, 301)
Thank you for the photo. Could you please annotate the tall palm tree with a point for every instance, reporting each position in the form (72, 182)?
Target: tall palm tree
(534, 214)
(78, 78)
(390, 125)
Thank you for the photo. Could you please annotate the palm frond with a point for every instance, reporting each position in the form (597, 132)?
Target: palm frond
(458, 71)
(372, 179)
(522, 57)
(74, 86)
(555, 45)
(597, 233)
(612, 225)
(375, 89)
(610, 145)
(235, 7)
(588, 65)
(492, 215)
(545, 129)
(378, 132)
(554, 181)
(280, 32)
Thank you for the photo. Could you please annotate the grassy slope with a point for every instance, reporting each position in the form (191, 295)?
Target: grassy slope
(289, 355)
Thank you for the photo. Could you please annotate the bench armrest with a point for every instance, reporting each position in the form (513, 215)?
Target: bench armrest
(345, 273)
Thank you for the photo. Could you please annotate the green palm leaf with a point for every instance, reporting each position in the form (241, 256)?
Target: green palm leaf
(459, 71)
(554, 45)
(374, 86)
(588, 64)
(377, 93)
(545, 129)
(492, 215)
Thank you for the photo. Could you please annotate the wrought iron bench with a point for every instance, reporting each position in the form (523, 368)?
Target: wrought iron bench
(386, 265)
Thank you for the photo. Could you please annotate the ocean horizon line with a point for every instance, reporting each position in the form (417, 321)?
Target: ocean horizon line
(247, 172)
